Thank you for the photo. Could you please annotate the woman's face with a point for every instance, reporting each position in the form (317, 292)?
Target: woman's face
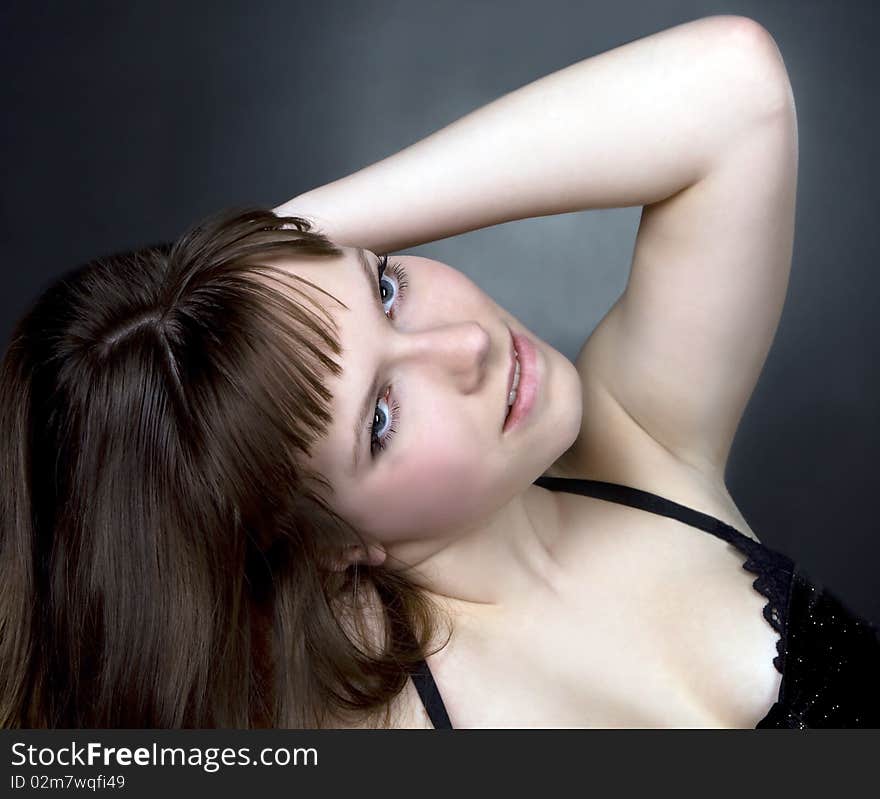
(428, 360)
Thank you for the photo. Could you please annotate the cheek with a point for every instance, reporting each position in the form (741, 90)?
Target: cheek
(441, 485)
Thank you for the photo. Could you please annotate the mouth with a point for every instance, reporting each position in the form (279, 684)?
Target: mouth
(524, 380)
(513, 379)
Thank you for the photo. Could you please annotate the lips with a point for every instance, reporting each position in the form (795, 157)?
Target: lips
(512, 373)
(529, 383)
(510, 376)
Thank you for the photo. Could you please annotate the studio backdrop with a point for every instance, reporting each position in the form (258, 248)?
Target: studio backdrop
(125, 122)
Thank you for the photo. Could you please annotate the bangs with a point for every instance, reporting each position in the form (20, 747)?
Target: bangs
(298, 340)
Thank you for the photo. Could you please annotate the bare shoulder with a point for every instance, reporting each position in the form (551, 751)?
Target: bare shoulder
(409, 712)
(405, 712)
(612, 446)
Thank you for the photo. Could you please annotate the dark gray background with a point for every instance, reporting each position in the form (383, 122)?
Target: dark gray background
(128, 121)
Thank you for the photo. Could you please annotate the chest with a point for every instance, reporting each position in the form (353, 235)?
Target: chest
(656, 625)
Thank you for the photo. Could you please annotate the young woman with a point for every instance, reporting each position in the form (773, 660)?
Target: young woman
(271, 475)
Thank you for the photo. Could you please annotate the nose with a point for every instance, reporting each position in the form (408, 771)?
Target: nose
(460, 350)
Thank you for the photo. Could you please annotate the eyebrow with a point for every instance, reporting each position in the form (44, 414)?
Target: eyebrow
(360, 423)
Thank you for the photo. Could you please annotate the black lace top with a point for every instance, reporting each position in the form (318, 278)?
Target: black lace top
(828, 656)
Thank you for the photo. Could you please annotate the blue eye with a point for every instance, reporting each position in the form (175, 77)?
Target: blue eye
(395, 270)
(383, 425)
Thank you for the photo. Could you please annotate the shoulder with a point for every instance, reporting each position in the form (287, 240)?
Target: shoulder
(614, 448)
(405, 712)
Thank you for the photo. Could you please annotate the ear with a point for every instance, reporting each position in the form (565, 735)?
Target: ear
(374, 555)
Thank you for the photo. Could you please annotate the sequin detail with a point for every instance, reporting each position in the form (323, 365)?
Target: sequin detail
(832, 670)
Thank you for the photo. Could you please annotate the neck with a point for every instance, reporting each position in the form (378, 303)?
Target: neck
(497, 564)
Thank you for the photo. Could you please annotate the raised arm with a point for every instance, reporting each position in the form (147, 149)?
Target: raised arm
(630, 126)
(697, 124)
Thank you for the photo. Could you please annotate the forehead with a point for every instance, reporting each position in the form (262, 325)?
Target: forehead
(345, 282)
(337, 275)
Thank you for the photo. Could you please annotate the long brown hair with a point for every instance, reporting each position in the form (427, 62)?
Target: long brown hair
(163, 551)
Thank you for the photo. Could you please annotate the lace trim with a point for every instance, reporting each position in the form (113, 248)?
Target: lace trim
(774, 578)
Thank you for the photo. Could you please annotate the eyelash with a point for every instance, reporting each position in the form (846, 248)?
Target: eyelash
(395, 269)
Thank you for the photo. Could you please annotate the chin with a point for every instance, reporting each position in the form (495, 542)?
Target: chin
(568, 409)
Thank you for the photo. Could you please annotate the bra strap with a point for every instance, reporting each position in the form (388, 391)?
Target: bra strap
(426, 685)
(653, 503)
(430, 694)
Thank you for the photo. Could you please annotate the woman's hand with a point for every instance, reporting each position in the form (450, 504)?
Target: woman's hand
(630, 126)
